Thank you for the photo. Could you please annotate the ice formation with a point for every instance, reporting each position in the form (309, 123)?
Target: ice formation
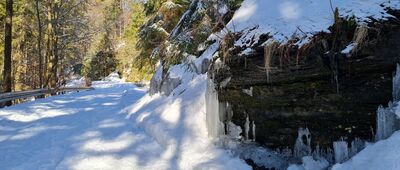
(214, 124)
(386, 120)
(234, 131)
(248, 91)
(302, 146)
(247, 128)
(386, 123)
(396, 84)
(254, 131)
(356, 146)
(341, 151)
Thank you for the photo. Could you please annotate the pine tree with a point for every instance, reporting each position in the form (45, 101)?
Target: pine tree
(7, 48)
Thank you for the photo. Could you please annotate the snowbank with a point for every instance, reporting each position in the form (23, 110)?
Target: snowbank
(384, 154)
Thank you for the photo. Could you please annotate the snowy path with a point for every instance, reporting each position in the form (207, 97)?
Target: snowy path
(76, 131)
(116, 126)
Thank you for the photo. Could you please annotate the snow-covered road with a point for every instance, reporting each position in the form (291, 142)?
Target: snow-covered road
(76, 131)
(106, 128)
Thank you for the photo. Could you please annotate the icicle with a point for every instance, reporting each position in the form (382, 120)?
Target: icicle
(254, 131)
(341, 151)
(396, 84)
(213, 110)
(380, 123)
(302, 146)
(329, 155)
(246, 128)
(317, 152)
(269, 51)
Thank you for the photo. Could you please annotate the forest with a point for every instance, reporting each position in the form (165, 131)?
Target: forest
(50, 40)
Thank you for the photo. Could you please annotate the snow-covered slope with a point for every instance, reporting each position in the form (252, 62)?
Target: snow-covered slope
(384, 154)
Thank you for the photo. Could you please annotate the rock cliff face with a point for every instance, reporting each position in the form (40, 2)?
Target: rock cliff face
(187, 39)
(334, 95)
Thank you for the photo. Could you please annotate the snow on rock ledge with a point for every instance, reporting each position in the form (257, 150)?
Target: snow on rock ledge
(282, 19)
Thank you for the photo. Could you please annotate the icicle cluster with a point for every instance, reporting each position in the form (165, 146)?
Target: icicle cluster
(386, 119)
(386, 122)
(249, 126)
(356, 146)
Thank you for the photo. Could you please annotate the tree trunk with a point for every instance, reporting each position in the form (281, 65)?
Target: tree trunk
(39, 45)
(7, 48)
(56, 54)
(49, 39)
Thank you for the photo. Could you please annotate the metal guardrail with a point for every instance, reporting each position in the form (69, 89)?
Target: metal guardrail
(5, 97)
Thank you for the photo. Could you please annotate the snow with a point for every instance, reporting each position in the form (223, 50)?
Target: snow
(113, 77)
(76, 82)
(384, 154)
(283, 19)
(207, 55)
(348, 49)
(309, 163)
(248, 91)
(115, 126)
